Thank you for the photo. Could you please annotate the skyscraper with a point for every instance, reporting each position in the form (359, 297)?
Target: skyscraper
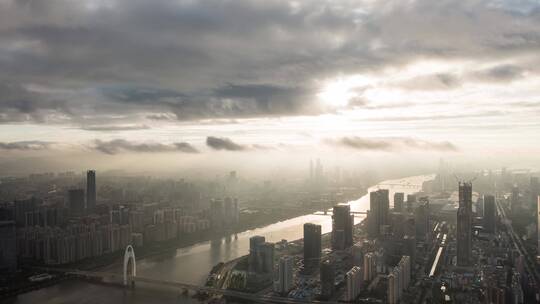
(312, 245)
(90, 189)
(341, 227)
(464, 223)
(266, 257)
(398, 201)
(378, 211)
(411, 200)
(328, 277)
(253, 261)
(490, 213)
(421, 219)
(284, 280)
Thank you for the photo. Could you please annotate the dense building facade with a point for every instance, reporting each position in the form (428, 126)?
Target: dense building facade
(76, 201)
(8, 247)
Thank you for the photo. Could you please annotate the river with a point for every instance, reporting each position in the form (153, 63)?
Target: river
(192, 264)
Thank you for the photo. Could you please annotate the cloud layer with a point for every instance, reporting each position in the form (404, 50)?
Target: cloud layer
(222, 143)
(122, 145)
(391, 144)
(25, 145)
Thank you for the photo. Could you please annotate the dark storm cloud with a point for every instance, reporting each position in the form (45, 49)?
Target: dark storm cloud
(390, 144)
(18, 104)
(119, 145)
(222, 143)
(25, 145)
(230, 101)
(215, 59)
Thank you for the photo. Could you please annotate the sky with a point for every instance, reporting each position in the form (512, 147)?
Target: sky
(117, 83)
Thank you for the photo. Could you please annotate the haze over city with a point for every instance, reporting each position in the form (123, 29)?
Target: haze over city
(282, 151)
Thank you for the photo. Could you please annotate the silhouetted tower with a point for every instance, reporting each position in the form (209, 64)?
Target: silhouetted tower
(399, 198)
(312, 245)
(341, 227)
(464, 223)
(378, 211)
(90, 189)
(490, 213)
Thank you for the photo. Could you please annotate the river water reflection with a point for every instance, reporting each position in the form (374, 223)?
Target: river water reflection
(192, 264)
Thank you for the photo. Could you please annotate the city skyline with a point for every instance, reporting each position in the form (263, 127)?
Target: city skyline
(284, 151)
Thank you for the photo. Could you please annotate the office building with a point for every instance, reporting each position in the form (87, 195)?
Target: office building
(261, 255)
(411, 201)
(342, 224)
(399, 198)
(464, 224)
(8, 247)
(284, 281)
(76, 201)
(266, 257)
(90, 189)
(490, 213)
(312, 245)
(378, 211)
(354, 283)
(328, 278)
(254, 243)
(421, 220)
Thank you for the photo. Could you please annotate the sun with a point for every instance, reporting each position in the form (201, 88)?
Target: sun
(339, 91)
